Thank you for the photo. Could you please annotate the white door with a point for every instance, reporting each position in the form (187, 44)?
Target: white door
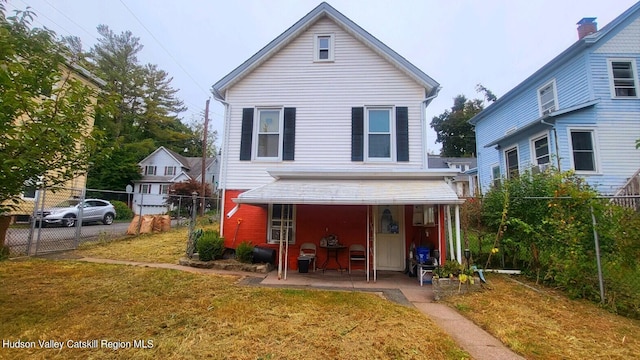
(390, 238)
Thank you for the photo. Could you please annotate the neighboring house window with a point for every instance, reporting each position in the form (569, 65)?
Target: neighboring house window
(379, 141)
(169, 170)
(281, 223)
(495, 174)
(582, 145)
(164, 188)
(547, 98)
(511, 159)
(541, 150)
(145, 188)
(623, 75)
(29, 190)
(269, 131)
(149, 170)
(323, 47)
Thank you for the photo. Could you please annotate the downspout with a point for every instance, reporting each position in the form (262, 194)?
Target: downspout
(423, 124)
(555, 141)
(225, 154)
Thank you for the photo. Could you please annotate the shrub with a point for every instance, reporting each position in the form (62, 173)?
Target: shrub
(122, 210)
(244, 252)
(210, 245)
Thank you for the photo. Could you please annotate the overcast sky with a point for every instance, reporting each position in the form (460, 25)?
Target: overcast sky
(459, 43)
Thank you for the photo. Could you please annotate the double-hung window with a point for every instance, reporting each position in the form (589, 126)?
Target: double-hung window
(164, 188)
(511, 160)
(547, 98)
(495, 174)
(541, 150)
(145, 188)
(323, 47)
(150, 170)
(269, 131)
(281, 223)
(582, 146)
(379, 129)
(169, 170)
(623, 78)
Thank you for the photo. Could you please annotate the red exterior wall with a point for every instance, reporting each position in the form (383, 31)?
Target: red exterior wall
(313, 222)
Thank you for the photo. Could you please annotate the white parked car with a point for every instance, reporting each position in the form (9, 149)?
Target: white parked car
(67, 212)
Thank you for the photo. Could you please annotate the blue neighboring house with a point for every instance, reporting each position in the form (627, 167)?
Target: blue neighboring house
(581, 111)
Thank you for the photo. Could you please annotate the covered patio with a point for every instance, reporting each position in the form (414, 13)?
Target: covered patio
(390, 213)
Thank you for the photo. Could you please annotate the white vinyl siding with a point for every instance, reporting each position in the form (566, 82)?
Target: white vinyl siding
(323, 97)
(623, 78)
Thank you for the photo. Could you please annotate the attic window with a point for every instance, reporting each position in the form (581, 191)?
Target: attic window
(547, 98)
(623, 80)
(323, 47)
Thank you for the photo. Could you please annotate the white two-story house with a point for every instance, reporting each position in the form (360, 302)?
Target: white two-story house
(163, 168)
(325, 134)
(580, 112)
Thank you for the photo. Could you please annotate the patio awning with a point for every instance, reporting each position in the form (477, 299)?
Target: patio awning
(351, 192)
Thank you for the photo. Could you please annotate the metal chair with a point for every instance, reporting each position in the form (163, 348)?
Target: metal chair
(309, 250)
(357, 252)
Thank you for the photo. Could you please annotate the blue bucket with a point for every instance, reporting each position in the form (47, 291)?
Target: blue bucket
(423, 254)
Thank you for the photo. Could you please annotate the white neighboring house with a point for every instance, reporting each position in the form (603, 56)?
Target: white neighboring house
(162, 169)
(465, 182)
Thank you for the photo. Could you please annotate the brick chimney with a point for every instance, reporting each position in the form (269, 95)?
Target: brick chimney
(587, 26)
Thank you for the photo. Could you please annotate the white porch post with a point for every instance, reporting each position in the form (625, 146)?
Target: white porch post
(452, 254)
(458, 246)
(367, 223)
(375, 240)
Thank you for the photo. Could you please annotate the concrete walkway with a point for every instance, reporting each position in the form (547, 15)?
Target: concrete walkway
(393, 285)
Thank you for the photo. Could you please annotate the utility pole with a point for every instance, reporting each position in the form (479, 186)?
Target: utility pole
(204, 156)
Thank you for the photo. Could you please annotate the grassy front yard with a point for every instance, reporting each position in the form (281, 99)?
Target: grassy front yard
(190, 316)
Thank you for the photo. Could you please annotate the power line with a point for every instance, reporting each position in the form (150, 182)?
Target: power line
(163, 48)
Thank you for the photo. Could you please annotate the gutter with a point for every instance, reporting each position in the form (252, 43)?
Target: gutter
(223, 162)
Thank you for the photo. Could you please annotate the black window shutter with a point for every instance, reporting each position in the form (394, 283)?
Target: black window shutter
(402, 133)
(357, 133)
(246, 134)
(289, 138)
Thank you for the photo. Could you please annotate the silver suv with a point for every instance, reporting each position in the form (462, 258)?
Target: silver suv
(67, 212)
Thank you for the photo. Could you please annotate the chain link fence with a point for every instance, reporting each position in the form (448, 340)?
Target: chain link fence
(59, 219)
(596, 251)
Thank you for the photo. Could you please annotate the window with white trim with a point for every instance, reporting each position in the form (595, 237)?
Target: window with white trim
(496, 175)
(540, 147)
(282, 221)
(149, 170)
(379, 134)
(582, 146)
(511, 162)
(169, 170)
(29, 190)
(269, 130)
(624, 78)
(323, 47)
(145, 188)
(547, 98)
(164, 188)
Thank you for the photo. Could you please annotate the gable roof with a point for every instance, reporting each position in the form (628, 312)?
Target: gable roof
(192, 165)
(324, 10)
(575, 49)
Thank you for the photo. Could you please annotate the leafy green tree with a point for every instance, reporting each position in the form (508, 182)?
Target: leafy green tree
(140, 113)
(44, 111)
(453, 130)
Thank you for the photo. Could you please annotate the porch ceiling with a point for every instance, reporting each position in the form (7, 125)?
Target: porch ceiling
(351, 192)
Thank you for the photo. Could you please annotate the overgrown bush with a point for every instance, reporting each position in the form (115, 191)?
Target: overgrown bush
(210, 245)
(543, 225)
(122, 210)
(244, 252)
